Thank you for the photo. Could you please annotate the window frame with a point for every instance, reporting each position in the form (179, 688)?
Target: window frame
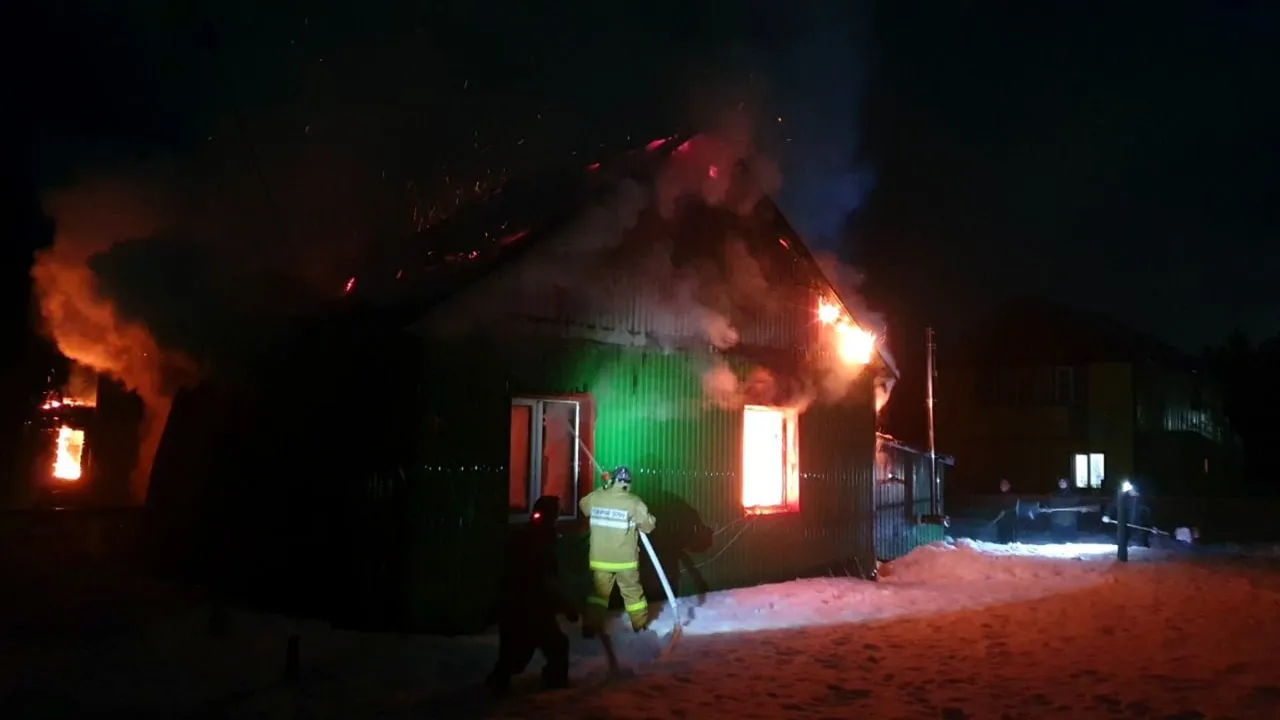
(790, 436)
(1088, 469)
(536, 404)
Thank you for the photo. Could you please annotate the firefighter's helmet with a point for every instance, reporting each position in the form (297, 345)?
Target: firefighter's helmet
(621, 477)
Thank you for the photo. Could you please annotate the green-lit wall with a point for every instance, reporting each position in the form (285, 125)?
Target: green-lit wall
(649, 414)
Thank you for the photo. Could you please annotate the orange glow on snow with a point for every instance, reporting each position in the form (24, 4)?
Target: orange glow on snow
(66, 464)
(770, 460)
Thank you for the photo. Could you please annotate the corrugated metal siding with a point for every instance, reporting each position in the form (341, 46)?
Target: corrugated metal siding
(686, 456)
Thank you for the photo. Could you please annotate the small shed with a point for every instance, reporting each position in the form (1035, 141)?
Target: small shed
(904, 499)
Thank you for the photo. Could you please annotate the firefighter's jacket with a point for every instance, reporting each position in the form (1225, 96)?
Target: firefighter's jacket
(615, 515)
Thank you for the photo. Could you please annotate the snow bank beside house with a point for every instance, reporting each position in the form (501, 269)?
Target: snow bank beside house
(974, 561)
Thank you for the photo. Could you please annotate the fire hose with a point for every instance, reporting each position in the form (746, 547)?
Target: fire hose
(1183, 535)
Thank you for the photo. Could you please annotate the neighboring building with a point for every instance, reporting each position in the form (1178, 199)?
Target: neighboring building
(562, 337)
(1040, 391)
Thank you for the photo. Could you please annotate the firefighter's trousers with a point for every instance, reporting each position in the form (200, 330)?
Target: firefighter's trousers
(628, 582)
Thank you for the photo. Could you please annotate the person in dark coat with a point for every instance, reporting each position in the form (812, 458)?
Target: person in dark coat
(1137, 515)
(531, 598)
(1007, 520)
(1064, 526)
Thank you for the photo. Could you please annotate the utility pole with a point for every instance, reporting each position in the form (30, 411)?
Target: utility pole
(934, 500)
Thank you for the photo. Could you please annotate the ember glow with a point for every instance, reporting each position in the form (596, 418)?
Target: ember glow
(351, 284)
(854, 344)
(54, 404)
(66, 463)
(770, 460)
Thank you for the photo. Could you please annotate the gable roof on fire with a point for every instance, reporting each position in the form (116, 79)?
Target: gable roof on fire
(569, 210)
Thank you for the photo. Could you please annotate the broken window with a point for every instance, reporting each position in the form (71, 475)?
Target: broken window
(770, 460)
(544, 454)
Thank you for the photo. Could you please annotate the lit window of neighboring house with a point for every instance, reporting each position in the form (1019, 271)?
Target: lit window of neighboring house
(1088, 469)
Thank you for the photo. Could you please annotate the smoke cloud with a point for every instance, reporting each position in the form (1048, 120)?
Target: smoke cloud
(614, 250)
(86, 325)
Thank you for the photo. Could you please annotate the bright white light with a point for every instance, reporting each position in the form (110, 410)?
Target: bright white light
(1126, 487)
(1069, 550)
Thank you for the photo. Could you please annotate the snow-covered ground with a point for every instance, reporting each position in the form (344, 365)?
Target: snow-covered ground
(962, 629)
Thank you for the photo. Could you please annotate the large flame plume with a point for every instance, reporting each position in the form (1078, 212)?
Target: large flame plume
(84, 324)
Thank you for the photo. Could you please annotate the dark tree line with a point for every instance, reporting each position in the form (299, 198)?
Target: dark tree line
(1251, 394)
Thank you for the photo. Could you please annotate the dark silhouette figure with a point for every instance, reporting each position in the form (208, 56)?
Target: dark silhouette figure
(531, 598)
(1063, 525)
(1007, 520)
(1137, 515)
(680, 533)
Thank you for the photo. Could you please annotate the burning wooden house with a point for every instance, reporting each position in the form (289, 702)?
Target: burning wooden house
(657, 313)
(83, 443)
(63, 453)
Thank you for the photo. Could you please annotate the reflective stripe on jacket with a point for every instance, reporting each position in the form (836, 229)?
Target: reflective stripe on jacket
(615, 516)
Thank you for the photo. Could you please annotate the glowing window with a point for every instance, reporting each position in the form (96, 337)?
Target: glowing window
(770, 460)
(66, 462)
(544, 458)
(1089, 469)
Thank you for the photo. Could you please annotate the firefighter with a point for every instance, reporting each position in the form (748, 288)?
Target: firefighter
(615, 514)
(531, 598)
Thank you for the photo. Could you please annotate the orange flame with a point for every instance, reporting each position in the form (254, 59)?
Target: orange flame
(854, 344)
(66, 464)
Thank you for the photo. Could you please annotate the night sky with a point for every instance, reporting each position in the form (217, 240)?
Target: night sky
(1114, 155)
(1119, 156)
